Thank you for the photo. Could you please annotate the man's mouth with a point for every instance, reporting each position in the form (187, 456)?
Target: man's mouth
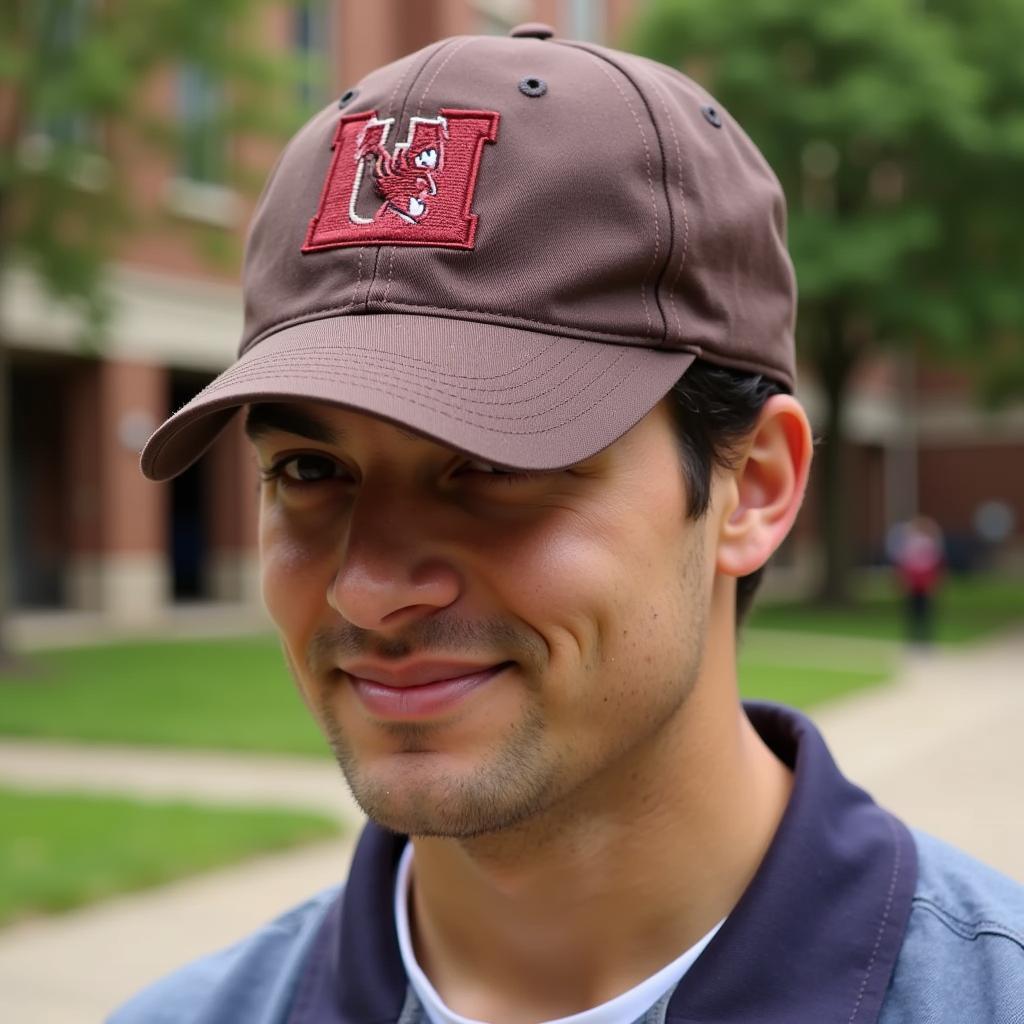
(424, 690)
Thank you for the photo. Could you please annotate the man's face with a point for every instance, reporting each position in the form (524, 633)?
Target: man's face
(479, 646)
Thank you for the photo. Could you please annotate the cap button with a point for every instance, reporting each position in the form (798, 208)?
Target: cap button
(532, 30)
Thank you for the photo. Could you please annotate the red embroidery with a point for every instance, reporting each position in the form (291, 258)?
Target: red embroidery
(427, 184)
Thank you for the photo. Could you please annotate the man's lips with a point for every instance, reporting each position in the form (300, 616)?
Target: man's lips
(418, 691)
(416, 673)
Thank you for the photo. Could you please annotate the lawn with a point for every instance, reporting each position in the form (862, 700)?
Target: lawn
(968, 609)
(59, 851)
(819, 669)
(237, 695)
(216, 694)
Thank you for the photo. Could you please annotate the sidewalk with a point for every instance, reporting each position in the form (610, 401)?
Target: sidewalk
(944, 747)
(48, 629)
(941, 747)
(74, 968)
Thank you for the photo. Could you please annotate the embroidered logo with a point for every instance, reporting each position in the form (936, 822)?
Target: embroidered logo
(421, 194)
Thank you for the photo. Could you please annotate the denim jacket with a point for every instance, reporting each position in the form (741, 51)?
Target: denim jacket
(851, 918)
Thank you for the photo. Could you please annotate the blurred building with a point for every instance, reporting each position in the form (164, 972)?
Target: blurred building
(90, 533)
(919, 442)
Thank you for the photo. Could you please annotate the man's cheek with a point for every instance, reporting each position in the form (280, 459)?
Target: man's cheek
(569, 589)
(293, 661)
(295, 602)
(294, 584)
(556, 558)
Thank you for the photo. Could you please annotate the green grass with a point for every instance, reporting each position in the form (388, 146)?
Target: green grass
(216, 694)
(59, 850)
(805, 685)
(237, 694)
(967, 610)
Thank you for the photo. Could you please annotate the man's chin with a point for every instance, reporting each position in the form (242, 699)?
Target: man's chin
(435, 795)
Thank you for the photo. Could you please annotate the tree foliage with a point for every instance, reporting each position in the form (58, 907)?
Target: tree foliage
(896, 128)
(76, 107)
(79, 101)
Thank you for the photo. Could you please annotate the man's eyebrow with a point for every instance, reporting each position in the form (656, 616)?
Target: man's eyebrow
(269, 417)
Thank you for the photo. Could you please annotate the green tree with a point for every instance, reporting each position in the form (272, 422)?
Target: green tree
(73, 113)
(897, 130)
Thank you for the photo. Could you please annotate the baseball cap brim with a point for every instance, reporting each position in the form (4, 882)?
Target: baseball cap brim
(518, 398)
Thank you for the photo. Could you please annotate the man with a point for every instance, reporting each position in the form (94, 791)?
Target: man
(517, 369)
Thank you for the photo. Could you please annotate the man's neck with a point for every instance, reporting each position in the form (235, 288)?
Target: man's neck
(567, 912)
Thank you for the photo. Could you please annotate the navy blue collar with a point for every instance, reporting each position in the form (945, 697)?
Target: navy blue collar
(814, 938)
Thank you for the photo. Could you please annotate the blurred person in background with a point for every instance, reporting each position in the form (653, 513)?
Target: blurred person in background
(917, 555)
(518, 367)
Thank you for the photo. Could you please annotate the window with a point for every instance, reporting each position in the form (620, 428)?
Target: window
(202, 141)
(59, 28)
(199, 191)
(57, 128)
(312, 35)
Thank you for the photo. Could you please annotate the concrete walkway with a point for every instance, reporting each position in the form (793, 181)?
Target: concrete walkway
(235, 779)
(941, 747)
(944, 747)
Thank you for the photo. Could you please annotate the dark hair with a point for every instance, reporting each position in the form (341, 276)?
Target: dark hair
(713, 410)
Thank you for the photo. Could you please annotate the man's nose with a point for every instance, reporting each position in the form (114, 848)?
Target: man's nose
(391, 570)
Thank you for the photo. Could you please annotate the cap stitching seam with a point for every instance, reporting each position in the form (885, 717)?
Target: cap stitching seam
(419, 112)
(359, 280)
(682, 203)
(391, 272)
(391, 104)
(399, 117)
(396, 368)
(314, 314)
(650, 187)
(405, 359)
(311, 315)
(883, 922)
(426, 390)
(607, 57)
(399, 84)
(325, 357)
(364, 380)
(443, 407)
(441, 67)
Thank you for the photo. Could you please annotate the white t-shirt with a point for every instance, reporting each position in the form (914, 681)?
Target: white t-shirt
(629, 1006)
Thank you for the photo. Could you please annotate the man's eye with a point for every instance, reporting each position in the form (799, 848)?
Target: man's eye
(304, 469)
(478, 467)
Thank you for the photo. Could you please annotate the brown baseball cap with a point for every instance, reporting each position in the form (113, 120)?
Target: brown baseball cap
(514, 246)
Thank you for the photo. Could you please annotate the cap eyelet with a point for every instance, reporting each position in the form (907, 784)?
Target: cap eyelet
(347, 97)
(712, 116)
(533, 86)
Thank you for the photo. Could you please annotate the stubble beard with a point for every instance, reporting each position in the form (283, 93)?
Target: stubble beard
(423, 797)
(515, 783)
(521, 779)
(522, 782)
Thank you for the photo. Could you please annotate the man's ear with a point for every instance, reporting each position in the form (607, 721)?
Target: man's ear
(765, 490)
